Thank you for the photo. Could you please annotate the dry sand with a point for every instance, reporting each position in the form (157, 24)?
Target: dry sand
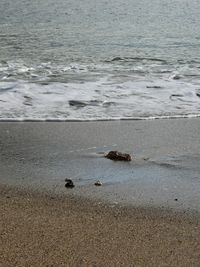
(44, 230)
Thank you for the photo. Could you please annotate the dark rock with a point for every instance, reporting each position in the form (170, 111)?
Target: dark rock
(198, 94)
(116, 155)
(69, 183)
(98, 183)
(176, 199)
(81, 104)
(77, 103)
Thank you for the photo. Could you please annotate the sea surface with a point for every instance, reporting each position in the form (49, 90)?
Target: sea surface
(99, 60)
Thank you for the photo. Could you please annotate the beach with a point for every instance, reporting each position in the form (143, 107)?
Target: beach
(41, 230)
(146, 213)
(81, 80)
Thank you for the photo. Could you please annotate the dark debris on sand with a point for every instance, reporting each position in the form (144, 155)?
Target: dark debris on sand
(69, 183)
(116, 155)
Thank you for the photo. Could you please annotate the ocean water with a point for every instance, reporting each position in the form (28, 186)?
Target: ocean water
(99, 60)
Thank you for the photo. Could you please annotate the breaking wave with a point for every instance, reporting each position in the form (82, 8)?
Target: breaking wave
(116, 89)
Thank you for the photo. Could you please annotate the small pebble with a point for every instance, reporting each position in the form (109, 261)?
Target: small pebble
(69, 183)
(98, 183)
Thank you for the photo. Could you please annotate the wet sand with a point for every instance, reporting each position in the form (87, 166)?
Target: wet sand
(44, 230)
(164, 171)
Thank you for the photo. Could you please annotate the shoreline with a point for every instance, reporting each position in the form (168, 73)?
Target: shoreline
(112, 119)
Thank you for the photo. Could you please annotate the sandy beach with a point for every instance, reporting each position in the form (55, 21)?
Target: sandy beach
(41, 230)
(146, 213)
(81, 80)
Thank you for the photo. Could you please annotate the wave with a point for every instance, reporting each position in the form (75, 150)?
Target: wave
(137, 59)
(98, 91)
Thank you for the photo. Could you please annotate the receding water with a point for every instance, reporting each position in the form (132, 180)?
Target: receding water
(89, 60)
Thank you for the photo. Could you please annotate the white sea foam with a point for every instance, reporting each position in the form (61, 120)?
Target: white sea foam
(107, 91)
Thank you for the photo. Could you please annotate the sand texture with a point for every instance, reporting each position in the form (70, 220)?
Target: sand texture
(41, 230)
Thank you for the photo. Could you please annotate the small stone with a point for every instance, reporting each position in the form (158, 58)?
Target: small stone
(176, 199)
(116, 155)
(69, 183)
(98, 183)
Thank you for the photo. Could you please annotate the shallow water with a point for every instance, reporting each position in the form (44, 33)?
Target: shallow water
(112, 60)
